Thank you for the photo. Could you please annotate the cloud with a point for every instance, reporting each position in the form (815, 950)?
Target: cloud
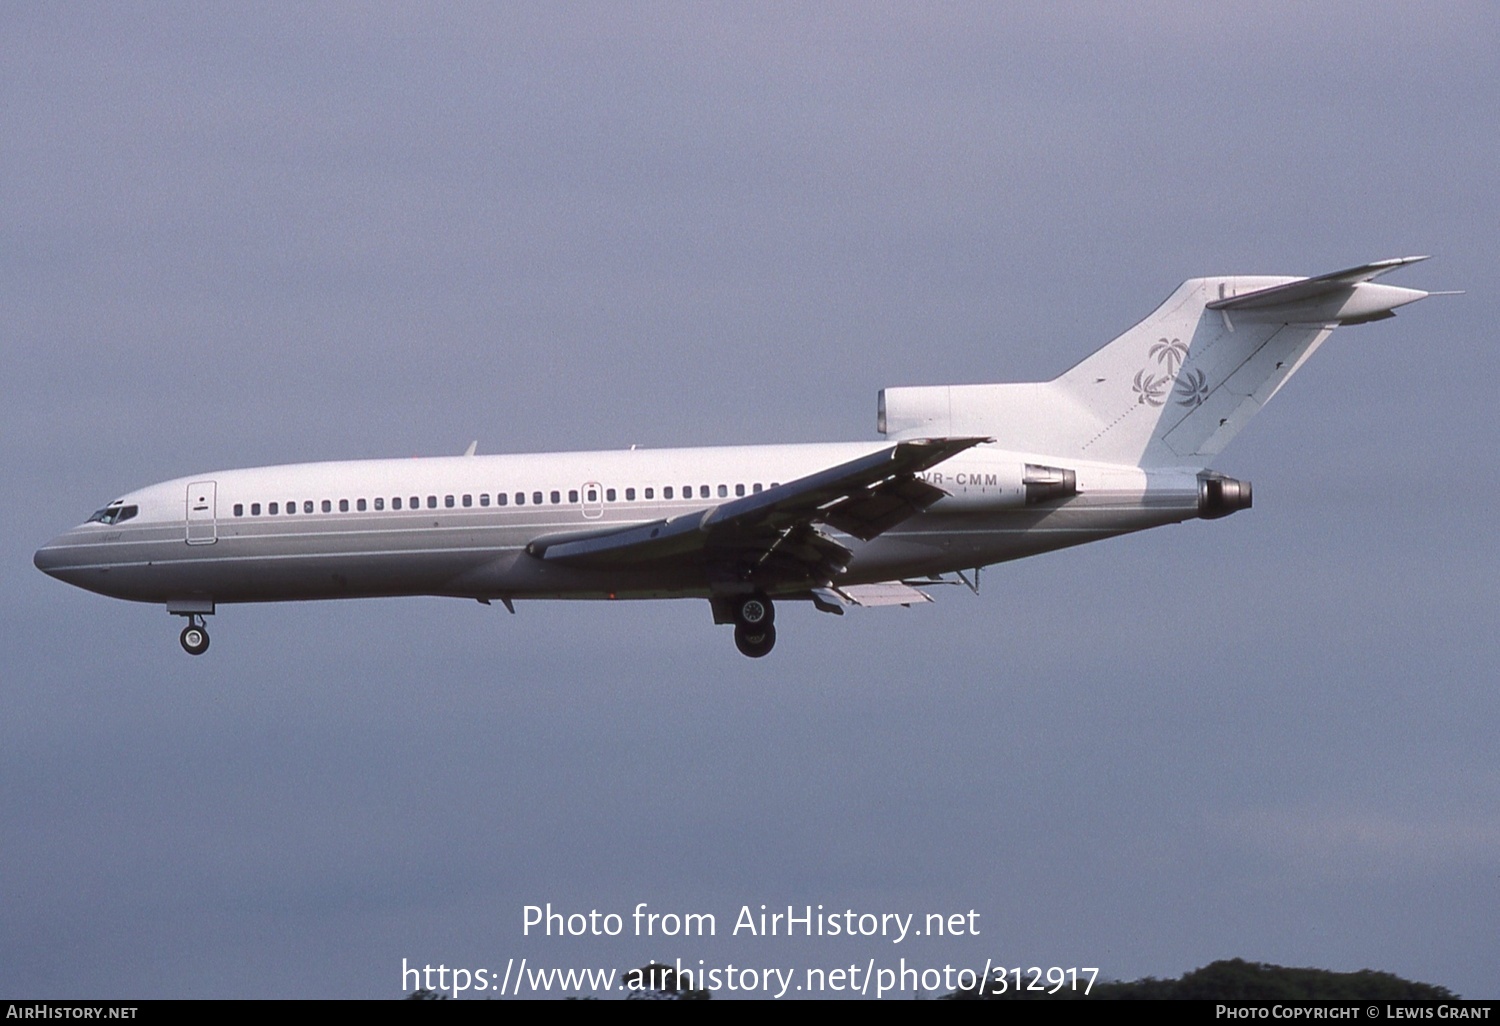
(1367, 842)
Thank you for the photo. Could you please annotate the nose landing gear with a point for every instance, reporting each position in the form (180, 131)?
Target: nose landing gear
(194, 636)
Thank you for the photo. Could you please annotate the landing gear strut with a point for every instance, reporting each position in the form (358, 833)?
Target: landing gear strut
(754, 625)
(194, 636)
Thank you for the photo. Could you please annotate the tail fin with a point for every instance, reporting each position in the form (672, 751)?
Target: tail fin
(1172, 390)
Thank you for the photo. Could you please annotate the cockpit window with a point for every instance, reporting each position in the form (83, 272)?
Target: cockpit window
(114, 513)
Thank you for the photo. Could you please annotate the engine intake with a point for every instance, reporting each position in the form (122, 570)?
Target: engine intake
(1044, 484)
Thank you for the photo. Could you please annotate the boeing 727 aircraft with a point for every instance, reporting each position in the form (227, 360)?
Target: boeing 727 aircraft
(966, 476)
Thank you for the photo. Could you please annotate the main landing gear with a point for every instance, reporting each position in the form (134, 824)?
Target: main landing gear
(194, 636)
(754, 625)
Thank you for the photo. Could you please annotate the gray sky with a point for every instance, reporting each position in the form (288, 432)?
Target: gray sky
(234, 237)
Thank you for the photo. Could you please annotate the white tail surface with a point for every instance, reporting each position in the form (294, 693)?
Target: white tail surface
(1174, 389)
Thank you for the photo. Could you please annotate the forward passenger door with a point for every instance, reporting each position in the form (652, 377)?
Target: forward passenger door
(202, 522)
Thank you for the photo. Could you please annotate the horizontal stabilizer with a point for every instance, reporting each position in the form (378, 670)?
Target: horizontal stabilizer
(1343, 297)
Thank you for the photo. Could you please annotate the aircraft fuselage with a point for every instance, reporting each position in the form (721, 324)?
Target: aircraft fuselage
(460, 526)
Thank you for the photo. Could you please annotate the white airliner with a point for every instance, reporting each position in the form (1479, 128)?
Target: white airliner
(966, 476)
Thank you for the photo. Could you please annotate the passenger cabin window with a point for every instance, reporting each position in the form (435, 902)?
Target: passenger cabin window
(307, 505)
(650, 493)
(415, 502)
(723, 491)
(484, 499)
(239, 509)
(273, 509)
(448, 501)
(343, 505)
(756, 487)
(609, 495)
(666, 493)
(520, 498)
(501, 499)
(536, 498)
(739, 489)
(327, 506)
(255, 509)
(396, 502)
(432, 502)
(359, 507)
(703, 491)
(572, 494)
(593, 495)
(468, 500)
(380, 503)
(556, 498)
(630, 495)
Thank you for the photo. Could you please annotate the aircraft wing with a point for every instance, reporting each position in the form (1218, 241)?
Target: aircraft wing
(775, 534)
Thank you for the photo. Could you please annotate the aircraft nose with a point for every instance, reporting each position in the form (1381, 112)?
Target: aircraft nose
(74, 558)
(48, 558)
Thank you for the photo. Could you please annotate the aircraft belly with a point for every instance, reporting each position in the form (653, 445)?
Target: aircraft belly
(270, 565)
(943, 544)
(517, 575)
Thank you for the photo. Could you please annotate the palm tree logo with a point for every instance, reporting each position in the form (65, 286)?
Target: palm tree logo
(1192, 389)
(1150, 389)
(1172, 352)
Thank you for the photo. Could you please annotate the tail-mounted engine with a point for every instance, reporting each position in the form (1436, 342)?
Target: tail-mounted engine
(1043, 484)
(1219, 496)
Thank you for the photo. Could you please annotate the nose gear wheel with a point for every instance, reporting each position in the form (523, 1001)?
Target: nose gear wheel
(194, 637)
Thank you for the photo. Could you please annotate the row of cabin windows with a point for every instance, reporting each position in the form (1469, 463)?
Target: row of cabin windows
(501, 499)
